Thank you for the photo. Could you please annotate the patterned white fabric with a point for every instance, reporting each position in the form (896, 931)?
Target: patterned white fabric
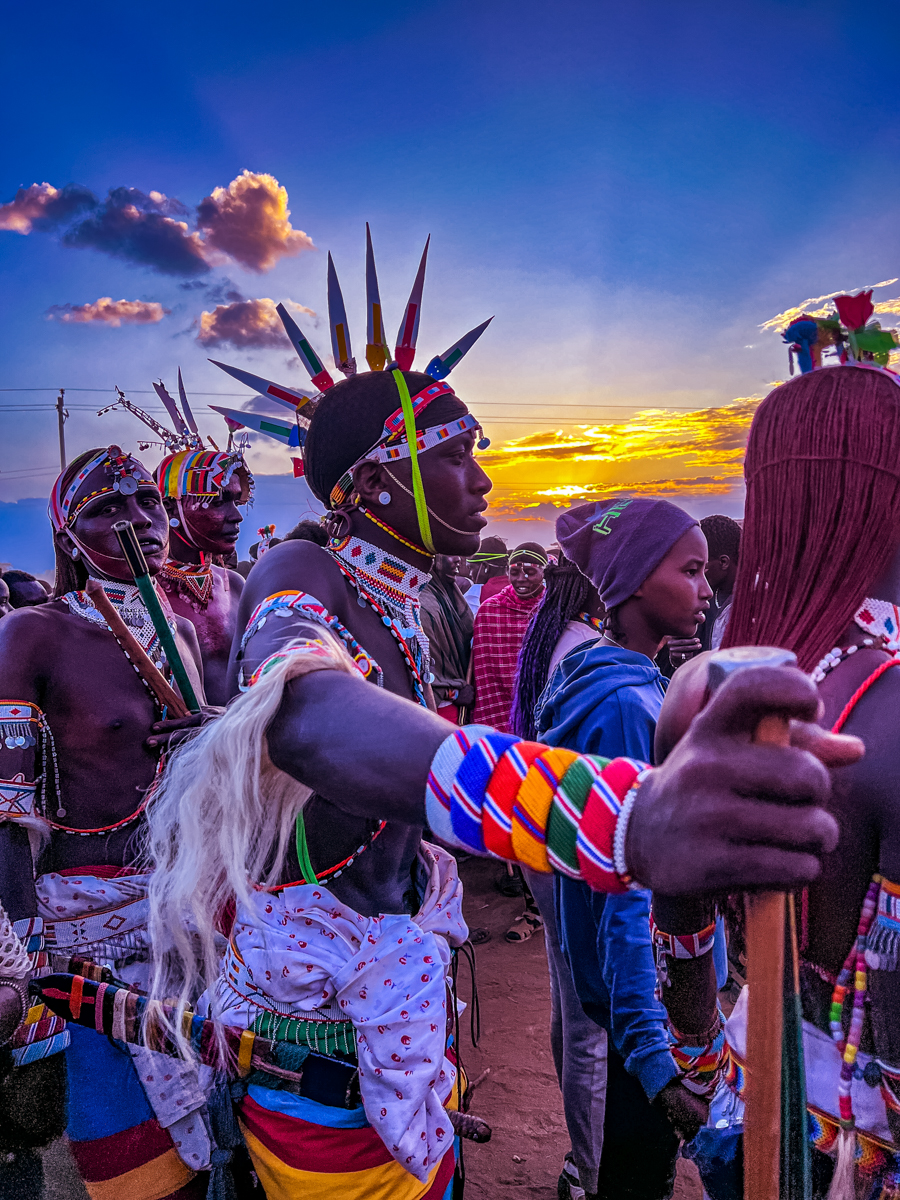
(294, 952)
(105, 921)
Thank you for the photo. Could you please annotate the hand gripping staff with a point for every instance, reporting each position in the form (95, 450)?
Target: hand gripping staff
(776, 1151)
(134, 556)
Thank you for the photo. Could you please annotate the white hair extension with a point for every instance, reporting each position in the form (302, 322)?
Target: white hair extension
(218, 824)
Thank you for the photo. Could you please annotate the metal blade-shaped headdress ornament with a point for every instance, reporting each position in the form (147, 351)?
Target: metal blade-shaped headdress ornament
(171, 407)
(185, 407)
(376, 342)
(337, 319)
(292, 398)
(405, 350)
(308, 356)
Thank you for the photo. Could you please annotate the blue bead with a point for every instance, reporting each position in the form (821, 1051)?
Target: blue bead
(387, 621)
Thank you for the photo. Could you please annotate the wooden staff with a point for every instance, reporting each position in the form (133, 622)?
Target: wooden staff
(166, 695)
(765, 933)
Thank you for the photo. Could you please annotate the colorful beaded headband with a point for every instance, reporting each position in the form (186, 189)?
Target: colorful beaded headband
(393, 444)
(202, 473)
(122, 468)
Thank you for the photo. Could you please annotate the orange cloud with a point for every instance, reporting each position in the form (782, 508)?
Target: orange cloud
(110, 312)
(249, 222)
(246, 324)
(702, 452)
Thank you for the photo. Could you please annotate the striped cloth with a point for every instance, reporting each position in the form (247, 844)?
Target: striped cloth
(500, 625)
(121, 1150)
(302, 1150)
(548, 808)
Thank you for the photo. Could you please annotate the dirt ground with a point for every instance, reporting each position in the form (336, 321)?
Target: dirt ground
(520, 1098)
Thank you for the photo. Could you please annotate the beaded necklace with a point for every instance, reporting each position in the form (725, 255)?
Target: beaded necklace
(594, 622)
(338, 869)
(393, 532)
(392, 588)
(127, 601)
(878, 618)
(194, 581)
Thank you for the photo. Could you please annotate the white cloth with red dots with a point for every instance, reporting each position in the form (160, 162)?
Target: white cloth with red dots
(302, 950)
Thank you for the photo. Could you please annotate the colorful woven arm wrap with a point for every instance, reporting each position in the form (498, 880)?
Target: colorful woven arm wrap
(700, 1058)
(544, 807)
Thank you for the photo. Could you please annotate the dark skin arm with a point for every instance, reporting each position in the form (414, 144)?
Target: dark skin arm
(720, 812)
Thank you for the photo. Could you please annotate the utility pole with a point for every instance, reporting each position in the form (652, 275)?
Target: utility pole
(61, 415)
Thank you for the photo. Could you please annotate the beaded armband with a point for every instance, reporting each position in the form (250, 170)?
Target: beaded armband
(683, 945)
(304, 607)
(548, 808)
(883, 941)
(700, 1058)
(23, 736)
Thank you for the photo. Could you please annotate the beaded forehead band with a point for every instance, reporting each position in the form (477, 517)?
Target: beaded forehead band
(123, 471)
(202, 473)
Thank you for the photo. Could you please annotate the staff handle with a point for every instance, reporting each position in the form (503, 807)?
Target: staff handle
(765, 925)
(134, 556)
(166, 695)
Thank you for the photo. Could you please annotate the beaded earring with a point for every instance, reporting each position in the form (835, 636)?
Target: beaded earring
(76, 553)
(174, 522)
(384, 497)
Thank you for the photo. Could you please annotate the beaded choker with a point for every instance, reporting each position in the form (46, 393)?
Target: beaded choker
(392, 588)
(127, 601)
(878, 618)
(194, 581)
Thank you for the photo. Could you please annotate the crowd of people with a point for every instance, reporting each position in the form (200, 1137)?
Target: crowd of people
(232, 808)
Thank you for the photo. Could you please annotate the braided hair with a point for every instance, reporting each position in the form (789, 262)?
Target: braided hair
(567, 593)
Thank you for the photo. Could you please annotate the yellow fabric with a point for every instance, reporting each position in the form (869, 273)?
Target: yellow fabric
(281, 1182)
(154, 1180)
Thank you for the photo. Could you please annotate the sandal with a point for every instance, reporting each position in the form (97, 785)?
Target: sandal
(510, 884)
(478, 937)
(532, 923)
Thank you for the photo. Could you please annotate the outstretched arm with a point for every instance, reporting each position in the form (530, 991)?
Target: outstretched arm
(720, 812)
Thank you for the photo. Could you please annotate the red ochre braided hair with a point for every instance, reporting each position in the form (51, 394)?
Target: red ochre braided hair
(822, 517)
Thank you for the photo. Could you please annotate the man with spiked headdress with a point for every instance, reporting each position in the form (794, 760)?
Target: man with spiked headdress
(345, 919)
(75, 774)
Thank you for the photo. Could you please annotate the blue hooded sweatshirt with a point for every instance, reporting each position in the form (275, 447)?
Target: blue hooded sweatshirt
(605, 700)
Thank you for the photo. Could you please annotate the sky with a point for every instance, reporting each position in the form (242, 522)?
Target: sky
(631, 191)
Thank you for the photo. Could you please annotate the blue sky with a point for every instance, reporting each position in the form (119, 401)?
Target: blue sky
(630, 188)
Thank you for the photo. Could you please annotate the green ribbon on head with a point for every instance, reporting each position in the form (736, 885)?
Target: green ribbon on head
(409, 420)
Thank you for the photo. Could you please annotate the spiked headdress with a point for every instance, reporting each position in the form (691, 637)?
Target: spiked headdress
(399, 437)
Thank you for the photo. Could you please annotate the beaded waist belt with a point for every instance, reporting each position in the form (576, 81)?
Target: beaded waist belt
(323, 1037)
(70, 933)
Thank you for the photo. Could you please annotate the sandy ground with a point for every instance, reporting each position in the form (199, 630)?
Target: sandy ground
(519, 1098)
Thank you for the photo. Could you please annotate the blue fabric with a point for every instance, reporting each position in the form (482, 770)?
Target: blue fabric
(105, 1094)
(307, 1110)
(606, 700)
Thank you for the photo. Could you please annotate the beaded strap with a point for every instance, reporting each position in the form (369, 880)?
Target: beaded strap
(548, 808)
(853, 973)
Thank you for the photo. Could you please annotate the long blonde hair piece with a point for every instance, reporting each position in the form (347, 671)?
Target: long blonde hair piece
(218, 824)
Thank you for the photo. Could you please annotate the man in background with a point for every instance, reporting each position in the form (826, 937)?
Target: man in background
(723, 537)
(448, 623)
(488, 571)
(500, 625)
(5, 605)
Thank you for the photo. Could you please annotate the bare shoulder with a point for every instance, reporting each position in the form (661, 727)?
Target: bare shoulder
(235, 582)
(294, 566)
(29, 639)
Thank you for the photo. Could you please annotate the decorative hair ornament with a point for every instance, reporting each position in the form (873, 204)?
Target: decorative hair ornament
(845, 332)
(203, 473)
(337, 319)
(266, 533)
(528, 556)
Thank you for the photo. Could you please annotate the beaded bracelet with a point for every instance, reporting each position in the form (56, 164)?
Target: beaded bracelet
(700, 1057)
(622, 832)
(683, 945)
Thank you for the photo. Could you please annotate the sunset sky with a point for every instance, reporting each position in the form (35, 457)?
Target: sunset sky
(632, 191)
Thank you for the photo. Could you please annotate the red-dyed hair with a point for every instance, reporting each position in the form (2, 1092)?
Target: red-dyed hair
(822, 517)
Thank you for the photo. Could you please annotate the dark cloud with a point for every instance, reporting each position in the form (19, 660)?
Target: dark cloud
(143, 229)
(44, 206)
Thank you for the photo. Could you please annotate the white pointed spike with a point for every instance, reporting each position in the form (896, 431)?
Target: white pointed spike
(185, 407)
(405, 350)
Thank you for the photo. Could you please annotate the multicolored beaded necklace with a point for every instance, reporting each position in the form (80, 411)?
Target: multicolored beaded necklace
(194, 581)
(594, 622)
(392, 588)
(127, 601)
(878, 618)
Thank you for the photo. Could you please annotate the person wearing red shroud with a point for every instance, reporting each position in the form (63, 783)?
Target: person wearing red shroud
(500, 626)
